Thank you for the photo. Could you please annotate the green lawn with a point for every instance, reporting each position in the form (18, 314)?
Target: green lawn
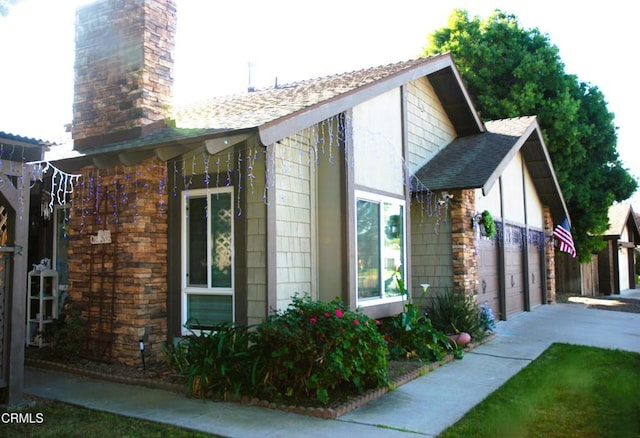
(569, 391)
(57, 419)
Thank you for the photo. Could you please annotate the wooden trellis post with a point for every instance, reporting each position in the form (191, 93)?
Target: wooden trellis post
(15, 185)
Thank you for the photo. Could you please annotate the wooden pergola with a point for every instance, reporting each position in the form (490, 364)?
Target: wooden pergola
(15, 186)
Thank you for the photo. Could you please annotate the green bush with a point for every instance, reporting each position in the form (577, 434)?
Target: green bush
(316, 350)
(454, 312)
(411, 336)
(67, 334)
(215, 362)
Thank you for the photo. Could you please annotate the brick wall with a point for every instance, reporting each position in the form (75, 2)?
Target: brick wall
(550, 256)
(131, 205)
(123, 68)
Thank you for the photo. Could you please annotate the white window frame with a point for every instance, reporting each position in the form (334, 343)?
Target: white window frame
(380, 199)
(187, 290)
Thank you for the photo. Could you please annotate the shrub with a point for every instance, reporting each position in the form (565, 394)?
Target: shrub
(67, 334)
(411, 335)
(456, 312)
(416, 337)
(317, 349)
(215, 362)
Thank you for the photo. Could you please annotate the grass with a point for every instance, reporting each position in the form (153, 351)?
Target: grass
(569, 391)
(57, 419)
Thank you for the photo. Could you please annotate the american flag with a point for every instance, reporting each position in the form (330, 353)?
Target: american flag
(563, 234)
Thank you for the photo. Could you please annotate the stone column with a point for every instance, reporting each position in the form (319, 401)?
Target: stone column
(465, 258)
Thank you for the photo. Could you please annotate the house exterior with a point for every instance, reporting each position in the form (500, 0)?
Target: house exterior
(505, 170)
(223, 211)
(617, 261)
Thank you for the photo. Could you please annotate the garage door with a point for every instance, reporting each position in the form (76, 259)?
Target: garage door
(536, 242)
(513, 260)
(488, 275)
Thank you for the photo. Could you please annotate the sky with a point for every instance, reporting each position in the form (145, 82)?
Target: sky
(223, 47)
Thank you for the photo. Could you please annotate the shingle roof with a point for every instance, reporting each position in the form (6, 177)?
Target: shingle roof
(21, 139)
(618, 216)
(469, 162)
(277, 112)
(253, 109)
(477, 161)
(20, 148)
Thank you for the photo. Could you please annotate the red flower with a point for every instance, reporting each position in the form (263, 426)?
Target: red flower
(327, 314)
(339, 313)
(313, 320)
(356, 322)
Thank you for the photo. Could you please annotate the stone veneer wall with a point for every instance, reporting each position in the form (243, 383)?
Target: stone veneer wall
(123, 69)
(465, 258)
(135, 214)
(549, 256)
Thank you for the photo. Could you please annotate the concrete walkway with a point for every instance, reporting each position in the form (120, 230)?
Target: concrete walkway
(423, 407)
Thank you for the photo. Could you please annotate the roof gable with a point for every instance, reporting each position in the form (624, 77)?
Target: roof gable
(621, 215)
(282, 111)
(477, 161)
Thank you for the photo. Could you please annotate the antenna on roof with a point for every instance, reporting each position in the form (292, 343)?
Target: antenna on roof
(250, 88)
(276, 84)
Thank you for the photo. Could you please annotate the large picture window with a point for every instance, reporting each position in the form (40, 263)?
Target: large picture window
(207, 283)
(380, 246)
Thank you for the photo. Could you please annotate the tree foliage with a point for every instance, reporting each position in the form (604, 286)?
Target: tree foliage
(510, 72)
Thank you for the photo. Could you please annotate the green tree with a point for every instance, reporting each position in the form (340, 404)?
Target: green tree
(511, 71)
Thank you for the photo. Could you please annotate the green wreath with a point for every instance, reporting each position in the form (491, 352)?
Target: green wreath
(488, 223)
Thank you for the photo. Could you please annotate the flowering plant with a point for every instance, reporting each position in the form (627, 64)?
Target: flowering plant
(315, 348)
(487, 320)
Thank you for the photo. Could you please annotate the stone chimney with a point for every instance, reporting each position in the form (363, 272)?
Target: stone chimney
(123, 70)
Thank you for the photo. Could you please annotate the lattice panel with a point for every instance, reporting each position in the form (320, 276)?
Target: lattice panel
(4, 225)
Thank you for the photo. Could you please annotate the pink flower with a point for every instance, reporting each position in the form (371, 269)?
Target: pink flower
(339, 313)
(378, 322)
(313, 320)
(327, 314)
(356, 322)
